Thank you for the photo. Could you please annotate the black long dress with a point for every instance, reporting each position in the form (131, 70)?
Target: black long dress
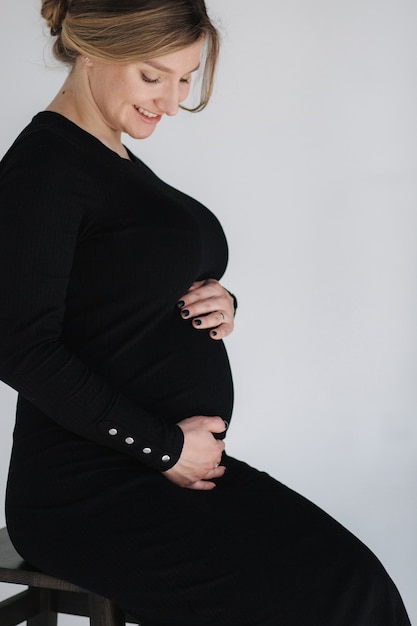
(94, 253)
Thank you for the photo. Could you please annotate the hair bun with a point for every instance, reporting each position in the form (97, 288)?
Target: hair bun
(54, 12)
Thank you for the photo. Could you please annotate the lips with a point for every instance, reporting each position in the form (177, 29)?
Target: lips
(147, 115)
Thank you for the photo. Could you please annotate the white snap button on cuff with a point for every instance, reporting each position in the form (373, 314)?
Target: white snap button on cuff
(129, 441)
(146, 450)
(113, 432)
(166, 458)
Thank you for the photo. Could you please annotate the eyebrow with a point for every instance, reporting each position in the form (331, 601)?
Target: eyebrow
(168, 70)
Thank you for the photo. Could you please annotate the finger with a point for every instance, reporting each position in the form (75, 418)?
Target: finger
(196, 284)
(202, 485)
(216, 425)
(203, 290)
(204, 301)
(215, 320)
(206, 483)
(221, 331)
(210, 293)
(216, 472)
(211, 320)
(199, 305)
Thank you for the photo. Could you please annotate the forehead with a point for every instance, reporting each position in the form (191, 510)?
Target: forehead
(181, 61)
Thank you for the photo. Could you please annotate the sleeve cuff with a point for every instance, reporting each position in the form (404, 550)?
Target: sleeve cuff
(131, 441)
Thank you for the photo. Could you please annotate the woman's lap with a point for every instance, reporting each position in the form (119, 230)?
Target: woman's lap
(249, 553)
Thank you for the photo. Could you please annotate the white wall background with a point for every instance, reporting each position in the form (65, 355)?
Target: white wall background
(308, 155)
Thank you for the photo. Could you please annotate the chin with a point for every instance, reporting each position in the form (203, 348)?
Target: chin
(139, 132)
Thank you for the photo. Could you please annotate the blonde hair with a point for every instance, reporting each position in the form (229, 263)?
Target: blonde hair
(126, 31)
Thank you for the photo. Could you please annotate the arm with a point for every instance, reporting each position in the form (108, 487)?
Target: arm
(41, 221)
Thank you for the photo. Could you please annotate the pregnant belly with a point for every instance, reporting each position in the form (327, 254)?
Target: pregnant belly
(186, 380)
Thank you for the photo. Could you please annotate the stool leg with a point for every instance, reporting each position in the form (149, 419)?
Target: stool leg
(104, 612)
(46, 616)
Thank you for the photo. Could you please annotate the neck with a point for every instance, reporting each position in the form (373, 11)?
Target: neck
(73, 101)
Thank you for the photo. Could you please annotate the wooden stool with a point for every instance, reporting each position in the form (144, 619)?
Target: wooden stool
(47, 596)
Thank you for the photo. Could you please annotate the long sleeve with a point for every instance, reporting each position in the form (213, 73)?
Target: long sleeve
(41, 224)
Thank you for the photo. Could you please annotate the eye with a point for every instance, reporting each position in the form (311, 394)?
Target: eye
(146, 79)
(186, 80)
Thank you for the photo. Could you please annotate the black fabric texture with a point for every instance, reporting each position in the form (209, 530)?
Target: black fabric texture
(95, 252)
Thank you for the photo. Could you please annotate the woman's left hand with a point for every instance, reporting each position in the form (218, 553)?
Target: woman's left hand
(209, 306)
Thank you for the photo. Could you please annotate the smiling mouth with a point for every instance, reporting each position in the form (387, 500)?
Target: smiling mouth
(148, 114)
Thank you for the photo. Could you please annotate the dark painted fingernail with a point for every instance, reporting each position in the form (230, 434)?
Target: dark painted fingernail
(214, 333)
(197, 322)
(180, 304)
(185, 313)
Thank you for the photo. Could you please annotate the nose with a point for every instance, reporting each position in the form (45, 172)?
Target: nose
(169, 101)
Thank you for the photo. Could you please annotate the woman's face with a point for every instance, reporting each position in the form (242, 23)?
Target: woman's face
(133, 98)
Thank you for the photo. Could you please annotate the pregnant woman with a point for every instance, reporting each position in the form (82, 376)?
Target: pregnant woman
(112, 319)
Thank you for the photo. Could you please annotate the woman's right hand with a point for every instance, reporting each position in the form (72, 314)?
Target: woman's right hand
(201, 455)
